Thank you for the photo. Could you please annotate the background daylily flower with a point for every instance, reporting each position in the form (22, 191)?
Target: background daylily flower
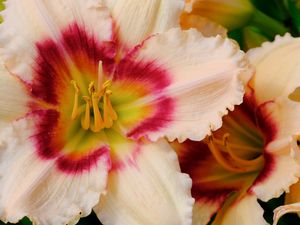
(284, 75)
(252, 156)
(84, 93)
(250, 22)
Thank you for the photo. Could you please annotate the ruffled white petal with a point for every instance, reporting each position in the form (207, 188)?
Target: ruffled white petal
(203, 212)
(207, 78)
(35, 188)
(246, 211)
(137, 20)
(148, 189)
(13, 97)
(28, 21)
(284, 170)
(277, 68)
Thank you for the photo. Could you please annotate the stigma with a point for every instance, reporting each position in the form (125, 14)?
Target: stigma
(98, 112)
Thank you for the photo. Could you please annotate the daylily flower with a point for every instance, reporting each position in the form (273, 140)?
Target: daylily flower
(252, 155)
(84, 93)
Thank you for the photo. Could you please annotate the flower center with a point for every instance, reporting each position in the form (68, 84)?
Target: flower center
(238, 146)
(97, 112)
(225, 154)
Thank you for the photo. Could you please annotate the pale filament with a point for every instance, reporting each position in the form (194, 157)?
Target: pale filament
(228, 159)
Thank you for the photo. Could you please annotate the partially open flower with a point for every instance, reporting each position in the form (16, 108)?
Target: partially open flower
(84, 93)
(252, 156)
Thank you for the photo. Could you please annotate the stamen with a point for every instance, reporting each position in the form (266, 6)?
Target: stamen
(109, 113)
(221, 159)
(75, 105)
(85, 122)
(256, 163)
(98, 122)
(107, 84)
(91, 87)
(93, 101)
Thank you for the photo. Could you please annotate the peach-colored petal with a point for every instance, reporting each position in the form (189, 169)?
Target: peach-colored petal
(207, 77)
(277, 68)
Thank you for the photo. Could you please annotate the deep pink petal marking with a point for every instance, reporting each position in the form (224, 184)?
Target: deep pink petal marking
(149, 73)
(52, 67)
(81, 165)
(46, 122)
(164, 109)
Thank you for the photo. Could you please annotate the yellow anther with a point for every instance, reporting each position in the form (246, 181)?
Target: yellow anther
(92, 101)
(109, 113)
(86, 120)
(76, 96)
(98, 122)
(91, 87)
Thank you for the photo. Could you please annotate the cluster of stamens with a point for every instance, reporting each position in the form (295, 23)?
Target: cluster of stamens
(224, 153)
(97, 99)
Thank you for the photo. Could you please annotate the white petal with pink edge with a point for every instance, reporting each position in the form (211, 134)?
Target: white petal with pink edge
(277, 68)
(283, 171)
(28, 22)
(137, 20)
(30, 186)
(148, 189)
(207, 78)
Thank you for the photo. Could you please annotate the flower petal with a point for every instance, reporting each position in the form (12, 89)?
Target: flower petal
(28, 22)
(30, 186)
(276, 75)
(238, 213)
(292, 203)
(13, 97)
(212, 184)
(202, 77)
(281, 210)
(137, 20)
(147, 188)
(281, 164)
